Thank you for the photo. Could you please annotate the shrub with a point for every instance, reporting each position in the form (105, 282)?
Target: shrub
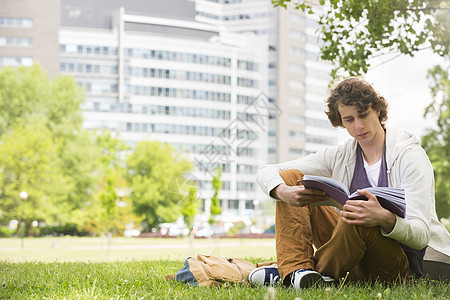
(6, 232)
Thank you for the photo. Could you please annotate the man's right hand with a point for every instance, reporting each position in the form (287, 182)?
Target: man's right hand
(297, 195)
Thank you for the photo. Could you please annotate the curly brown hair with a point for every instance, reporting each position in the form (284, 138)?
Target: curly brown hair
(358, 92)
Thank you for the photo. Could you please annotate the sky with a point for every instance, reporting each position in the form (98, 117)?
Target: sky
(404, 85)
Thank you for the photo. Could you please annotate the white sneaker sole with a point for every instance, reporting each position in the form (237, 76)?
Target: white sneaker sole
(308, 279)
(258, 281)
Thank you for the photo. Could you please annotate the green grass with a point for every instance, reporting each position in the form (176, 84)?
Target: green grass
(145, 280)
(137, 276)
(72, 249)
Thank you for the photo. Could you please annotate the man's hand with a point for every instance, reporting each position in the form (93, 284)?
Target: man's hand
(368, 213)
(297, 195)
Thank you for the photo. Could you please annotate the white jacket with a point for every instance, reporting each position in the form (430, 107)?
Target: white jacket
(408, 167)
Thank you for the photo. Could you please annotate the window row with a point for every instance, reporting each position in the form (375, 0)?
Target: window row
(247, 82)
(16, 22)
(245, 16)
(211, 151)
(246, 117)
(211, 167)
(318, 123)
(318, 90)
(174, 129)
(164, 110)
(301, 52)
(206, 185)
(88, 68)
(245, 186)
(322, 123)
(89, 50)
(299, 152)
(233, 204)
(247, 65)
(224, 133)
(313, 138)
(178, 93)
(179, 75)
(179, 56)
(219, 153)
(206, 150)
(301, 18)
(16, 41)
(246, 169)
(243, 99)
(233, 17)
(303, 36)
(321, 140)
(99, 87)
(296, 134)
(15, 61)
(318, 74)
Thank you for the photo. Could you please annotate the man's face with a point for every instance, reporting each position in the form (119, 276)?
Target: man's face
(363, 126)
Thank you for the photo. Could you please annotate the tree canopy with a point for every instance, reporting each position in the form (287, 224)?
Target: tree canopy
(39, 120)
(353, 32)
(437, 142)
(151, 169)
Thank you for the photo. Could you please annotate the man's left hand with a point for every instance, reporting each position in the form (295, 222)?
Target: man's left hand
(367, 213)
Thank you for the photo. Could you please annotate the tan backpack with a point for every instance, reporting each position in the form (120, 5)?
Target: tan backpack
(211, 270)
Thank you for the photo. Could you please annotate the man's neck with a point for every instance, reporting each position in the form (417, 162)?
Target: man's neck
(374, 151)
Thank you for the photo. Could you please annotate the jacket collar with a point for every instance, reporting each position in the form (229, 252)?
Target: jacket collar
(397, 142)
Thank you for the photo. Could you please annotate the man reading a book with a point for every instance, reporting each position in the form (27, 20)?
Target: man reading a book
(363, 240)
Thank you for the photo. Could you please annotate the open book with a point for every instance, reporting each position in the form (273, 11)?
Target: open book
(393, 199)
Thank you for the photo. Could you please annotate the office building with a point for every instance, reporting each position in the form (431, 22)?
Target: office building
(178, 81)
(231, 83)
(297, 79)
(29, 33)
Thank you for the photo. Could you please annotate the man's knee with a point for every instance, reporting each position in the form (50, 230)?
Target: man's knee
(291, 176)
(363, 232)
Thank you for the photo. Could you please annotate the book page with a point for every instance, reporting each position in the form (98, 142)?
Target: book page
(393, 199)
(337, 192)
(330, 181)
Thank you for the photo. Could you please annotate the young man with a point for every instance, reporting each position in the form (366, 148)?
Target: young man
(364, 239)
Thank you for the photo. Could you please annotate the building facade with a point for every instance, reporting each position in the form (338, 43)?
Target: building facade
(234, 84)
(181, 82)
(29, 33)
(302, 82)
(297, 78)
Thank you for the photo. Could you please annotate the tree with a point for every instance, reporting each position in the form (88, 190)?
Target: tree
(29, 162)
(436, 142)
(46, 152)
(152, 167)
(33, 105)
(189, 207)
(216, 209)
(352, 32)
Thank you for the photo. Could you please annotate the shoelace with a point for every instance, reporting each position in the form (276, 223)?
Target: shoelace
(294, 273)
(274, 279)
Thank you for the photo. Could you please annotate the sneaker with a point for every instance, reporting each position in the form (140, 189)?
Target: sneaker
(304, 278)
(265, 276)
(328, 279)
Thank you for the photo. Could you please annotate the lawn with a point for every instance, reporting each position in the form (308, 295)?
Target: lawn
(73, 249)
(139, 276)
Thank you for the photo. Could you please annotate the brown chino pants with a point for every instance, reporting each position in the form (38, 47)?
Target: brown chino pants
(341, 248)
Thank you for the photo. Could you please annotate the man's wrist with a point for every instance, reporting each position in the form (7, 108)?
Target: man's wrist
(273, 192)
(389, 222)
